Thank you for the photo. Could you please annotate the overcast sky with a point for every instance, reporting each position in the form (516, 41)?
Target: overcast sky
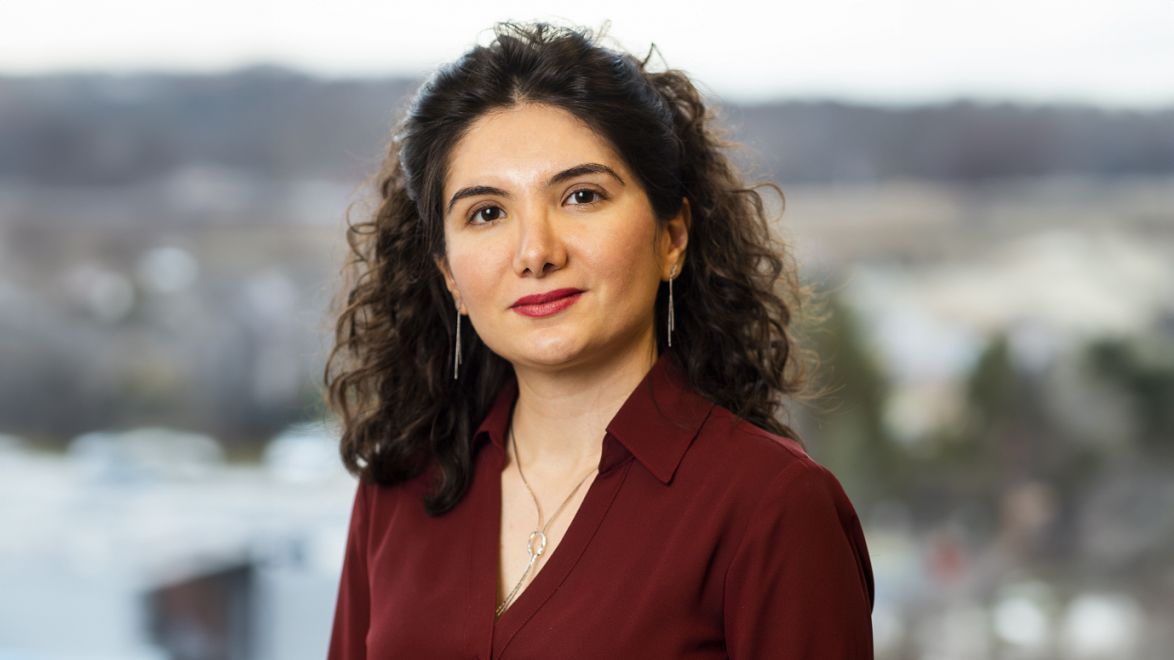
(1108, 52)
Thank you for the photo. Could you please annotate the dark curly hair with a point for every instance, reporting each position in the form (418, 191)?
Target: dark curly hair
(389, 375)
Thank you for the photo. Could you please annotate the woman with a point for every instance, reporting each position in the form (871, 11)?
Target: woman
(560, 372)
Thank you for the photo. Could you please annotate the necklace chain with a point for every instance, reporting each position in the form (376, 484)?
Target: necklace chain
(539, 535)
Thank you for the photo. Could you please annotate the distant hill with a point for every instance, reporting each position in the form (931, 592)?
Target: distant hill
(93, 129)
(958, 141)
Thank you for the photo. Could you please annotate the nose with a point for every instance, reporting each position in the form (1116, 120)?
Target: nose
(540, 249)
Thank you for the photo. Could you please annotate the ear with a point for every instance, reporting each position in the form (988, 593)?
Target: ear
(675, 238)
(449, 282)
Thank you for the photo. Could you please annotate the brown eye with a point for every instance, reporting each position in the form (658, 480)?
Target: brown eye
(585, 196)
(486, 214)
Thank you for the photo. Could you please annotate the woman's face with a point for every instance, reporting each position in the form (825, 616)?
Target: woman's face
(537, 204)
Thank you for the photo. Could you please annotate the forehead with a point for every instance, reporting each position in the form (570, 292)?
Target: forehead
(524, 144)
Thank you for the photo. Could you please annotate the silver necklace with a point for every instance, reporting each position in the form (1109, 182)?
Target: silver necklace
(536, 543)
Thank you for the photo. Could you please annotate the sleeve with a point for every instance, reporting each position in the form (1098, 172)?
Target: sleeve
(352, 612)
(800, 585)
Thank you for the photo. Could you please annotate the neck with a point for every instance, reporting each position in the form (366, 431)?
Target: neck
(561, 415)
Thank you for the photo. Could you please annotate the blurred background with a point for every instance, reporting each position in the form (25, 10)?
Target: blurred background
(981, 193)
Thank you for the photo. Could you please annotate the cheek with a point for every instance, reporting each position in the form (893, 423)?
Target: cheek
(470, 270)
(628, 260)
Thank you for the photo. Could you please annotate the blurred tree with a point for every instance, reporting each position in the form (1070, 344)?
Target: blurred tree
(850, 436)
(1144, 367)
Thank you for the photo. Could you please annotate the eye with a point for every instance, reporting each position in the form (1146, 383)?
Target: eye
(585, 196)
(486, 215)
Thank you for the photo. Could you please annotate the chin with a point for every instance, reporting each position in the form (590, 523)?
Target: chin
(546, 352)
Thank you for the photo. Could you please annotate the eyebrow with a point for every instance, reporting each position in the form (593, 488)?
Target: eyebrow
(569, 173)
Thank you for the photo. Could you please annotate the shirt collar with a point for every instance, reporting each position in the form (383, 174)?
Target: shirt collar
(656, 423)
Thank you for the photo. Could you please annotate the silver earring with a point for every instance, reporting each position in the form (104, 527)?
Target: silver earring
(671, 320)
(456, 358)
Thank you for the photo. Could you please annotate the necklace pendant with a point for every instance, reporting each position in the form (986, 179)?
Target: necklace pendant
(541, 537)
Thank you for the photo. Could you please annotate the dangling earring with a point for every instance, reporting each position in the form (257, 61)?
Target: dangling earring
(671, 320)
(456, 358)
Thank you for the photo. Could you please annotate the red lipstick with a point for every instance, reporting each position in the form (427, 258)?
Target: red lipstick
(546, 304)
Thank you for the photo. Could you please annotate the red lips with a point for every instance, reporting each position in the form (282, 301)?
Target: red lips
(540, 298)
(546, 304)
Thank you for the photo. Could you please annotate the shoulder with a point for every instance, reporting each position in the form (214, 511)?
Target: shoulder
(789, 504)
(377, 503)
(761, 470)
(799, 579)
(729, 443)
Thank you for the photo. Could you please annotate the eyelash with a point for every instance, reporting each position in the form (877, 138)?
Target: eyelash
(597, 193)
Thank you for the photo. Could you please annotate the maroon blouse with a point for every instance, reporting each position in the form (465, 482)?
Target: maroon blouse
(702, 536)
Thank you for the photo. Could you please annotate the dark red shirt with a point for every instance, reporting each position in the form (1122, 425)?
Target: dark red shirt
(702, 536)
